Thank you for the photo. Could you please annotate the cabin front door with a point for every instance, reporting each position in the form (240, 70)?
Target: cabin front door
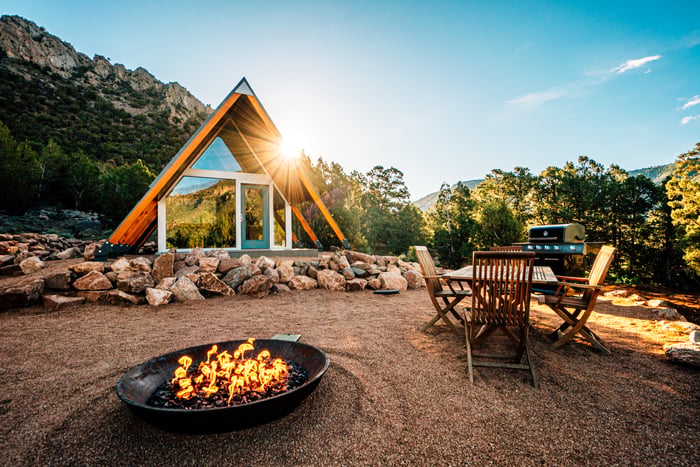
(255, 226)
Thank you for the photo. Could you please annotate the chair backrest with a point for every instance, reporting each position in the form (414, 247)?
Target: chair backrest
(505, 248)
(599, 270)
(601, 264)
(428, 266)
(501, 285)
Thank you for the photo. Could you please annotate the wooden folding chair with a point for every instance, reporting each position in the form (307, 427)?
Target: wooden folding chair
(501, 286)
(444, 300)
(576, 309)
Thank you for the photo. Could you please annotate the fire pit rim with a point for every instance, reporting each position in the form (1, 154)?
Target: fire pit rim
(138, 406)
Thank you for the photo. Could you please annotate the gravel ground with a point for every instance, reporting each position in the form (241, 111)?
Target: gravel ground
(392, 395)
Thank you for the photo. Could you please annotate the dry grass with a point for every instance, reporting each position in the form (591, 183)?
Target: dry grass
(392, 395)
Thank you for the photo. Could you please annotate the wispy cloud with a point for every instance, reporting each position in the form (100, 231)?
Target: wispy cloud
(686, 120)
(535, 99)
(632, 64)
(695, 100)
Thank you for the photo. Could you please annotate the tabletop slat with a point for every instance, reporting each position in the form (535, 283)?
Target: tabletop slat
(540, 275)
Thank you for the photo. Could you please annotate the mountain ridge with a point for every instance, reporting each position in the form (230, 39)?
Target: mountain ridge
(656, 174)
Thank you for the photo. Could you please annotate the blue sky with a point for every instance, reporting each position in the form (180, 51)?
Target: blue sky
(443, 91)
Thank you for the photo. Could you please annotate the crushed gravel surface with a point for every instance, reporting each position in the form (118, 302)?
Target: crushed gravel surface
(393, 395)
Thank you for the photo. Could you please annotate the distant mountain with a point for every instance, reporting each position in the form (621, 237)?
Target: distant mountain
(50, 91)
(656, 174)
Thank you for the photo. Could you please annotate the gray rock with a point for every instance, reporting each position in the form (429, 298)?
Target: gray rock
(68, 253)
(236, 276)
(687, 353)
(359, 272)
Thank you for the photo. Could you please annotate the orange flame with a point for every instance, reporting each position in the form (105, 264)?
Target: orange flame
(235, 375)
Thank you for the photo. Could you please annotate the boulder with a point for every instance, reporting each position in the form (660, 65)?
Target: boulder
(86, 267)
(208, 264)
(272, 274)
(245, 259)
(93, 296)
(257, 286)
(163, 267)
(414, 279)
(59, 280)
(120, 265)
(93, 280)
(694, 336)
(31, 265)
(121, 298)
(311, 271)
(348, 273)
(342, 262)
(55, 302)
(357, 256)
(236, 276)
(375, 283)
(134, 281)
(184, 290)
(264, 262)
(225, 265)
(91, 249)
(669, 314)
(359, 272)
(22, 294)
(68, 253)
(208, 282)
(219, 254)
(302, 283)
(286, 272)
(354, 285)
(279, 288)
(186, 271)
(192, 258)
(140, 263)
(331, 280)
(166, 283)
(391, 281)
(687, 353)
(157, 297)
(394, 269)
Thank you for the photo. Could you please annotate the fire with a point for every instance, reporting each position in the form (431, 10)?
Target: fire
(235, 375)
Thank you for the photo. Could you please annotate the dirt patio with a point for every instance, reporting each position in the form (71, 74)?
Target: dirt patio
(392, 394)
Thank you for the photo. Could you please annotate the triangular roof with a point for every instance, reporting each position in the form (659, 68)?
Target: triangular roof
(242, 122)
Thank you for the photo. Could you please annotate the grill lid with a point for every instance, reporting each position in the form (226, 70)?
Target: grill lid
(559, 233)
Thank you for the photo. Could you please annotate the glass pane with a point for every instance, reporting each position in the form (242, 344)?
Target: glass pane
(254, 213)
(280, 221)
(217, 157)
(201, 212)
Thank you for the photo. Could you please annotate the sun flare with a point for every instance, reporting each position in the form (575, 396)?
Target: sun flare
(290, 149)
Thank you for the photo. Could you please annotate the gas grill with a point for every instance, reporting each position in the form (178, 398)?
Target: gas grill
(560, 247)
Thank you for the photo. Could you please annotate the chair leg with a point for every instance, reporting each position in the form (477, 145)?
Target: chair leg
(528, 354)
(467, 334)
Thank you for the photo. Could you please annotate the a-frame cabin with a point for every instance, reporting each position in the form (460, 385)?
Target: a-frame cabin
(228, 187)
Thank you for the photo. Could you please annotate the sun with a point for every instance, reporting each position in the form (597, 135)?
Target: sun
(290, 149)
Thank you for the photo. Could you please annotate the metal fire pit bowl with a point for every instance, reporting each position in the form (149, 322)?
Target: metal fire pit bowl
(139, 383)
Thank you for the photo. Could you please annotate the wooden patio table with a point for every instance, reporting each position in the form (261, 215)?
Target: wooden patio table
(540, 275)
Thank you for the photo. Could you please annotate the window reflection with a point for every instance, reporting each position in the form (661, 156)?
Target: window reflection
(201, 212)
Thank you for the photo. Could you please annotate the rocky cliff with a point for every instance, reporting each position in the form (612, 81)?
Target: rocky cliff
(25, 42)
